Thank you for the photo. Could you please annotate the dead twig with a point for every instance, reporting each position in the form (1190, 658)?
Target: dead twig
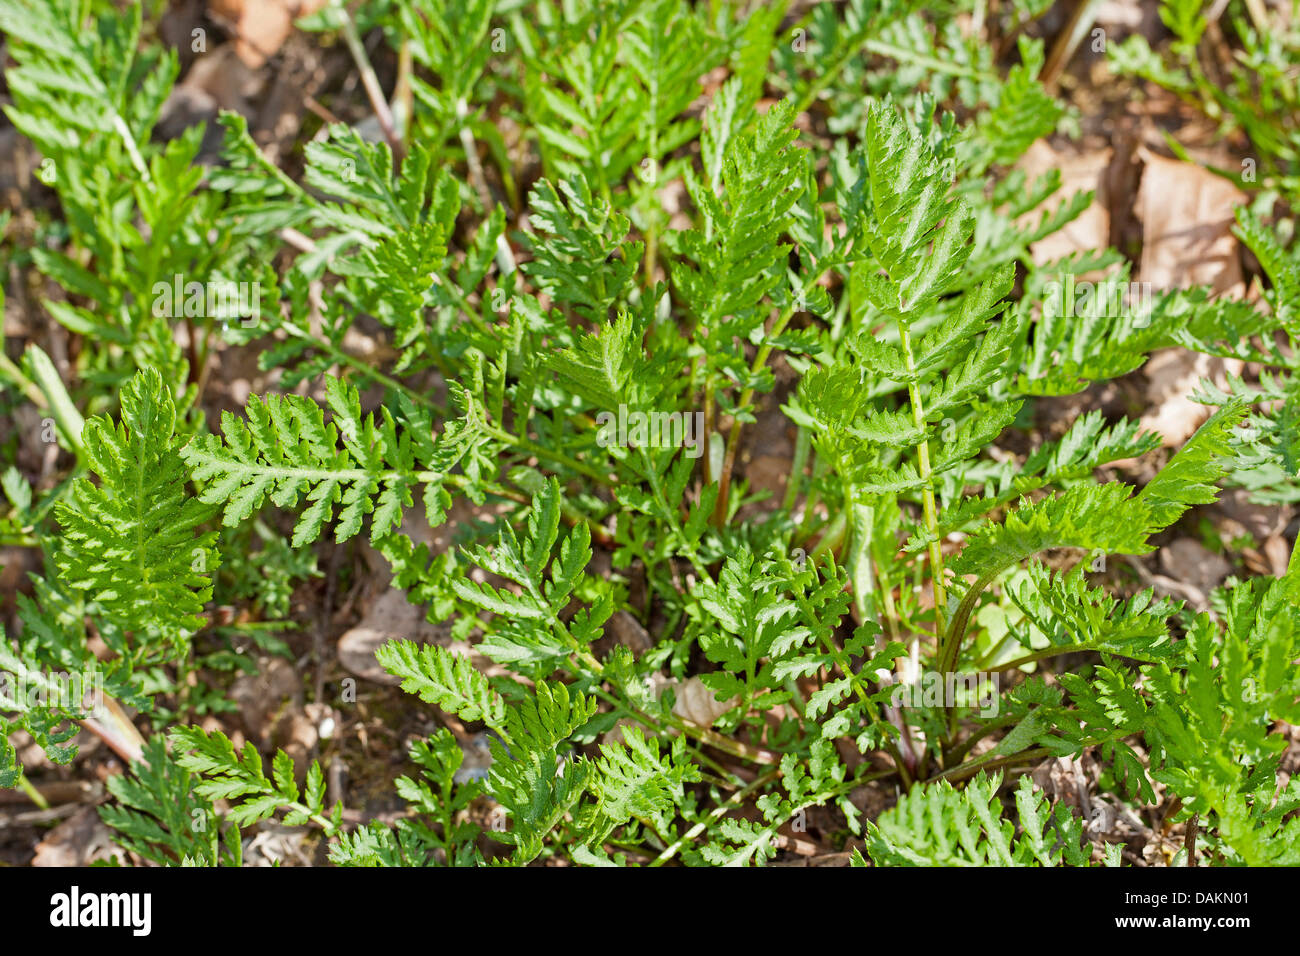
(1085, 14)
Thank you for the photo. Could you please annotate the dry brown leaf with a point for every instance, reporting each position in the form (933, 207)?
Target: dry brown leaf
(262, 26)
(696, 703)
(390, 617)
(1172, 377)
(260, 696)
(277, 845)
(1240, 516)
(1189, 561)
(1080, 172)
(1187, 216)
(1278, 552)
(625, 629)
(78, 841)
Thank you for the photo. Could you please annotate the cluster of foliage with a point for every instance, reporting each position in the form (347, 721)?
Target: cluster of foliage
(1254, 95)
(879, 260)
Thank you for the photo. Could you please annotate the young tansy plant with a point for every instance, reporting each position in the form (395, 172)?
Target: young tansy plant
(134, 561)
(135, 545)
(660, 652)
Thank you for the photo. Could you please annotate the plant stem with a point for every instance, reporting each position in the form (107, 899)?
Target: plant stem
(132, 150)
(802, 446)
(323, 822)
(950, 649)
(117, 732)
(760, 360)
(923, 469)
(708, 429)
(1057, 651)
(671, 516)
(960, 751)
(34, 795)
(1085, 12)
(833, 536)
(360, 365)
(383, 115)
(715, 814)
(540, 451)
(473, 166)
(968, 770)
(728, 746)
(60, 404)
(10, 371)
(842, 660)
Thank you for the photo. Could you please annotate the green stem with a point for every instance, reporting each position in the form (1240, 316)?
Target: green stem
(361, 366)
(11, 372)
(842, 661)
(1057, 651)
(994, 725)
(717, 741)
(923, 469)
(735, 800)
(671, 516)
(34, 795)
(833, 536)
(951, 647)
(968, 770)
(986, 762)
(61, 406)
(760, 361)
(323, 822)
(540, 451)
(132, 150)
(802, 447)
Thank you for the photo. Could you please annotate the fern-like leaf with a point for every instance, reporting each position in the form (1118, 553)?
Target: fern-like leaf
(133, 544)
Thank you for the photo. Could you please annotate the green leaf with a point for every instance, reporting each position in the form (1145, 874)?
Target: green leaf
(445, 679)
(133, 544)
